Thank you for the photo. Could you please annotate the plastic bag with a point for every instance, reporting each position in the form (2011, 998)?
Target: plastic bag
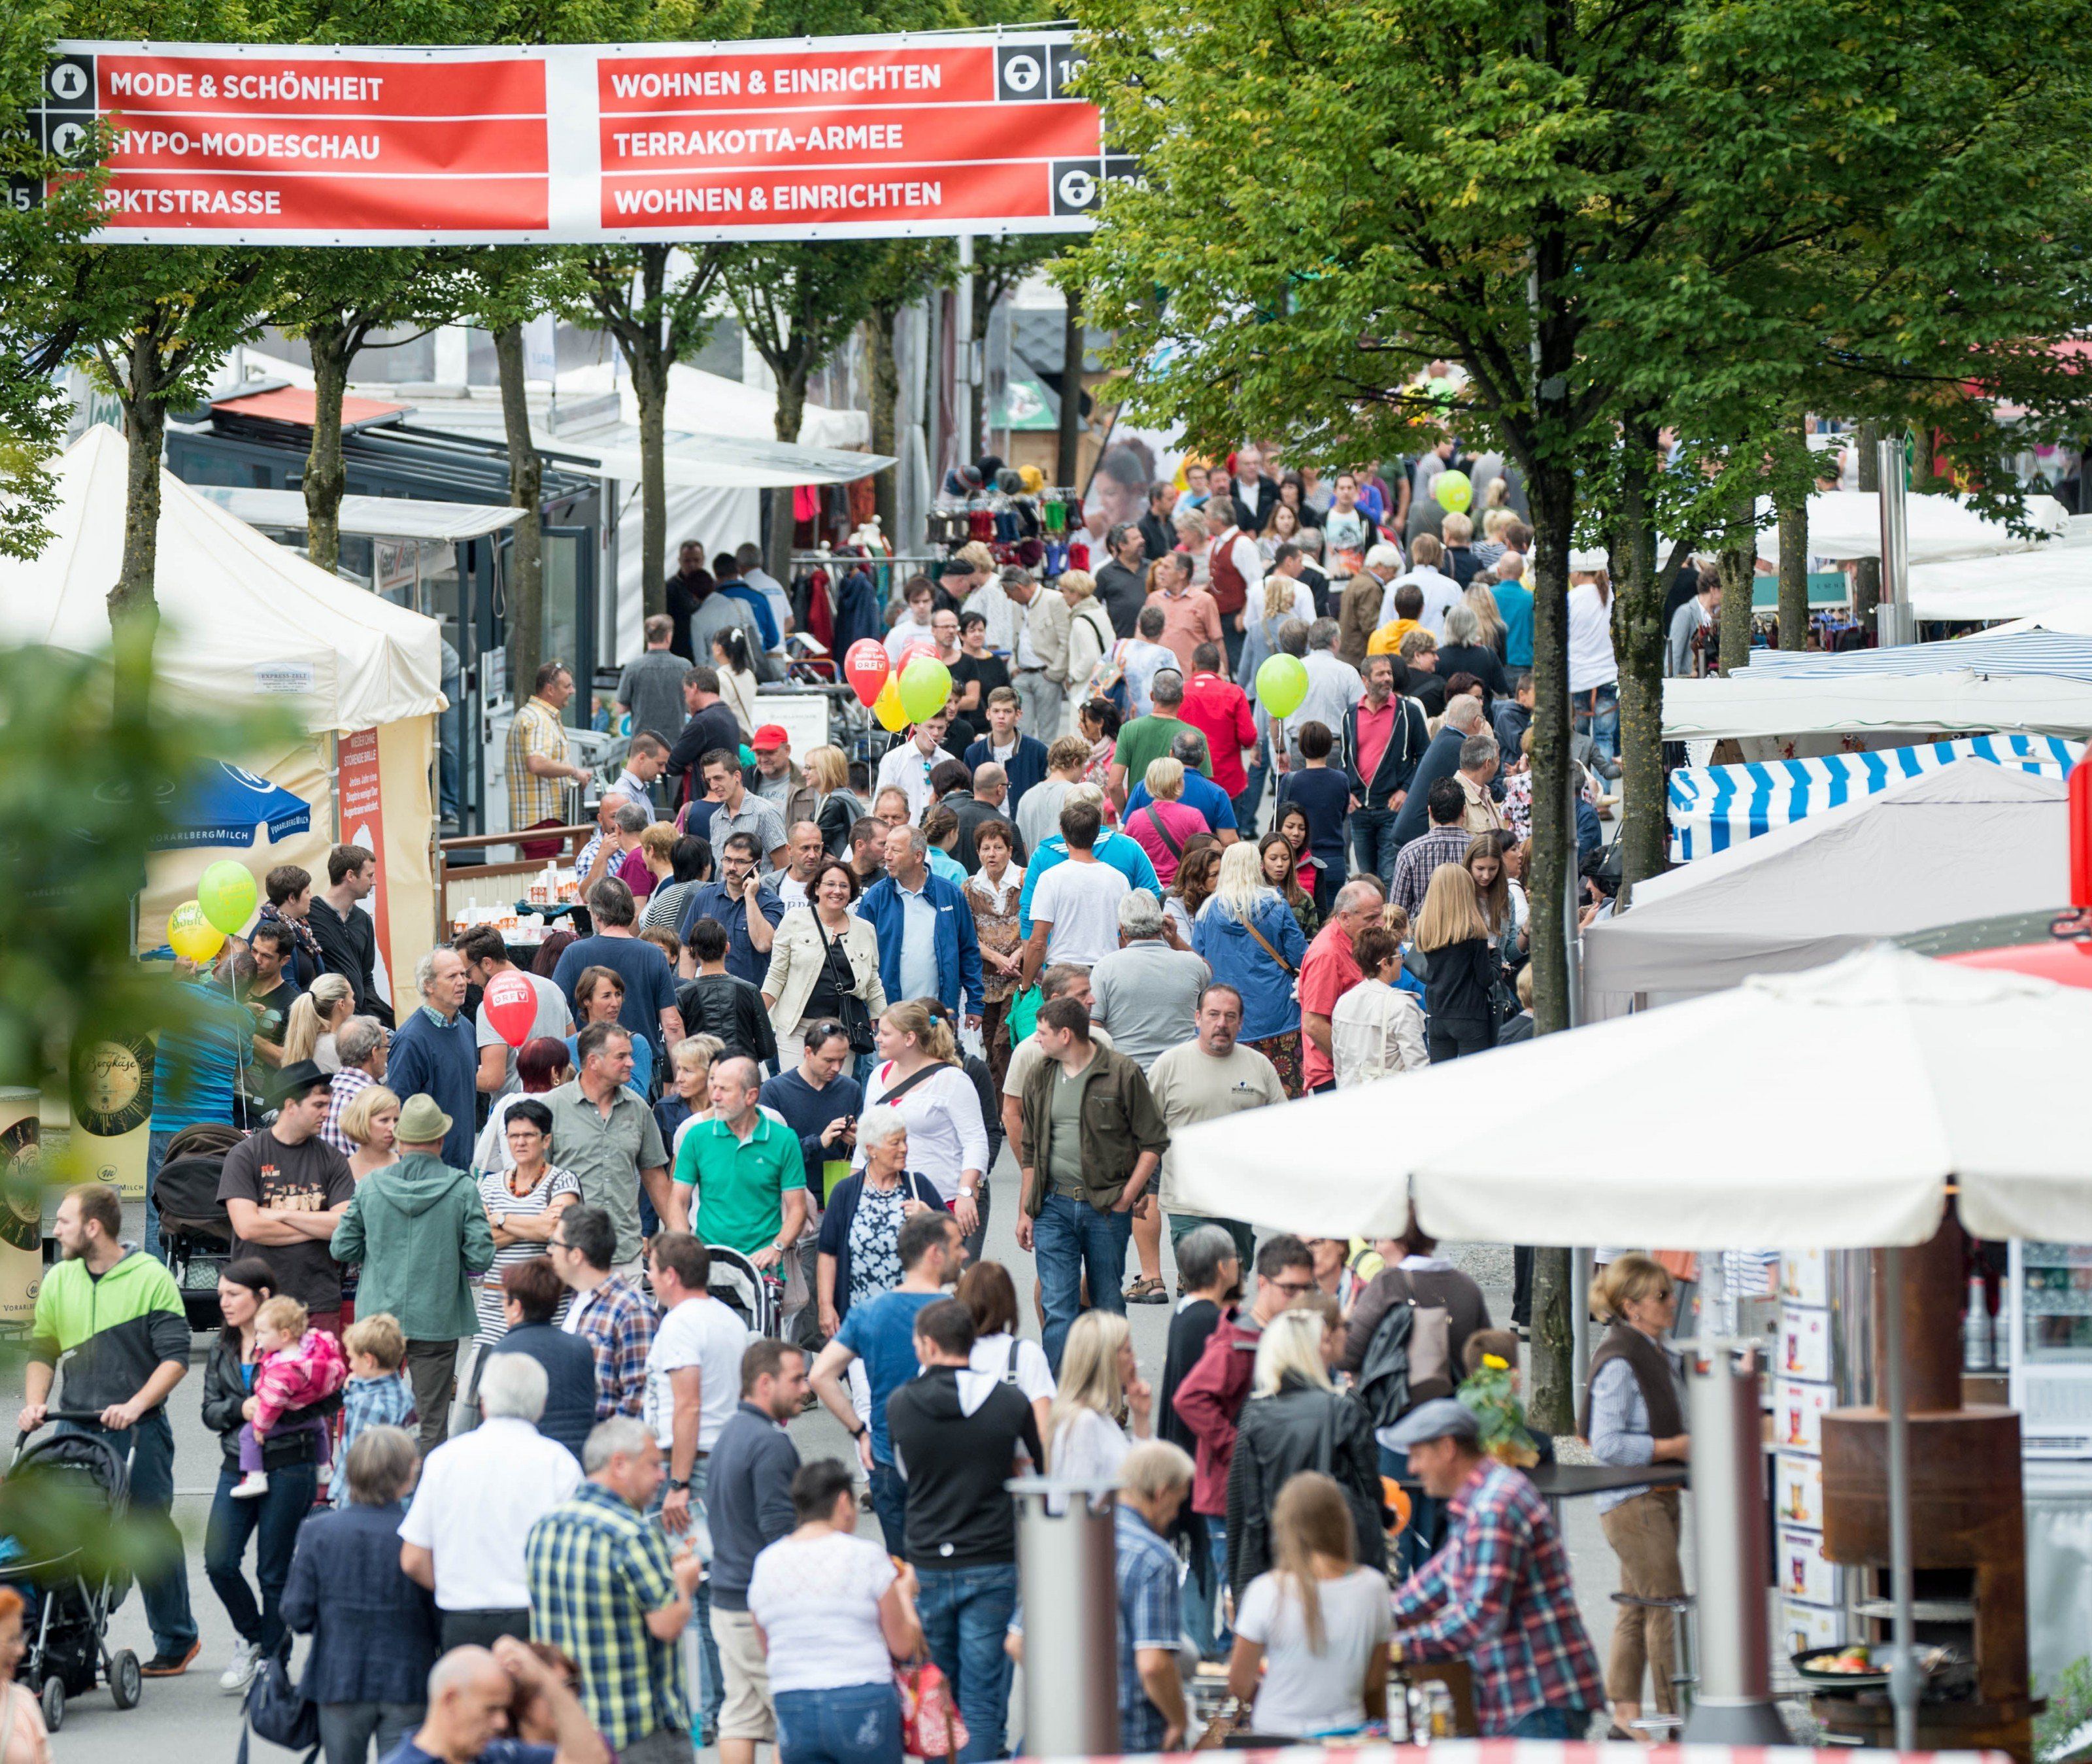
(931, 1725)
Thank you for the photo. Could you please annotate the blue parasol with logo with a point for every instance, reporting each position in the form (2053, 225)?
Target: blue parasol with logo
(227, 805)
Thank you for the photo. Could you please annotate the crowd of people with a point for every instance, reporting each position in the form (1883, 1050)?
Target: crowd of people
(528, 1321)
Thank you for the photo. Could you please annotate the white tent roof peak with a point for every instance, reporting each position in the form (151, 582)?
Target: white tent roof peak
(242, 615)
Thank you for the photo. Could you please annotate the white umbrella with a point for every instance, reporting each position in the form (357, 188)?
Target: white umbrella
(1887, 1075)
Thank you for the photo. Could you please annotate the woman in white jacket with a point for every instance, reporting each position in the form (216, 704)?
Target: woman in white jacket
(819, 954)
(1089, 633)
(1377, 1029)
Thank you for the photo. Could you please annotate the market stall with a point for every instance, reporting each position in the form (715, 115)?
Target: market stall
(244, 620)
(1968, 839)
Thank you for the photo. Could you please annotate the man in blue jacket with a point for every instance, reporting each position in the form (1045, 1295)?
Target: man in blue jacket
(927, 944)
(1022, 758)
(435, 1053)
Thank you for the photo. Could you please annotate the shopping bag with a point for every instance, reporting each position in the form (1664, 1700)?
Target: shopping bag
(931, 1725)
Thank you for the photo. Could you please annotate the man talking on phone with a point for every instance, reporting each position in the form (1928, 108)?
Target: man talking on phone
(739, 902)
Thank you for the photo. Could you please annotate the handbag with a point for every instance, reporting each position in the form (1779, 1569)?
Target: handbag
(851, 1011)
(1430, 1346)
(1023, 1017)
(931, 1724)
(278, 1711)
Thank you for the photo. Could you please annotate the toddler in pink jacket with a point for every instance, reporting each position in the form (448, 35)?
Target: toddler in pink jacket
(294, 1367)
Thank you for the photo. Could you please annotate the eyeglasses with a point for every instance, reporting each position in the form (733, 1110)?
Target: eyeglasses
(1295, 1288)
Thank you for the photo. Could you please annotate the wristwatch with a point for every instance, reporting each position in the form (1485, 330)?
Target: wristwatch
(680, 1484)
(967, 1194)
(857, 1432)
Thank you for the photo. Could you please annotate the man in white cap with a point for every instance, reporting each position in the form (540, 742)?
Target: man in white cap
(1498, 1595)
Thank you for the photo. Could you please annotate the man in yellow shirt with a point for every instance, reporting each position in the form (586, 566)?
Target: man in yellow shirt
(1408, 614)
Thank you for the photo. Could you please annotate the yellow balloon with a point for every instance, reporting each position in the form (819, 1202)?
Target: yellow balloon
(191, 936)
(926, 685)
(887, 707)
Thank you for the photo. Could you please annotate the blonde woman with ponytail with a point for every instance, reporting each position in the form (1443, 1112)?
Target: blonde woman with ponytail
(1284, 596)
(918, 1073)
(1317, 1623)
(1634, 1413)
(315, 1015)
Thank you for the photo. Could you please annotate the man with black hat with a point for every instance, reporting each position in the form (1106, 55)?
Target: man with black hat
(1498, 1595)
(285, 1189)
(422, 1235)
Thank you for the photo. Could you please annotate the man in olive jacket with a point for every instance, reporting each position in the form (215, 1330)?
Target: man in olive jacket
(1092, 1140)
(422, 1234)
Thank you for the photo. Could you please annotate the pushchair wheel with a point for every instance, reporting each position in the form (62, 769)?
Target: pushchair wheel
(125, 1682)
(54, 1702)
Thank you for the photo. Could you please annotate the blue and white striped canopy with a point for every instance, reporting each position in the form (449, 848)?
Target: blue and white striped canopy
(2061, 653)
(1714, 807)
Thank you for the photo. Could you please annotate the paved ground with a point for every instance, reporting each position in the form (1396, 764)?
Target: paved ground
(191, 1714)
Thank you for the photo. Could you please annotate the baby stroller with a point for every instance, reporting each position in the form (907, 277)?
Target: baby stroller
(757, 1298)
(78, 1480)
(195, 1232)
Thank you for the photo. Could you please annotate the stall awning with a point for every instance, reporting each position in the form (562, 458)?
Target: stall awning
(386, 517)
(1715, 807)
(1896, 1074)
(1764, 703)
(1848, 523)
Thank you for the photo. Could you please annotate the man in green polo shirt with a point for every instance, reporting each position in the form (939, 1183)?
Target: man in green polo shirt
(750, 1179)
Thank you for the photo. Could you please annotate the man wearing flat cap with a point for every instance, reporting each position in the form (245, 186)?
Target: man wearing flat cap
(1498, 1595)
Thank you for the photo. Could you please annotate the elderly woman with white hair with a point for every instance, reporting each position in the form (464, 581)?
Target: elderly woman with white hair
(1161, 825)
(860, 1243)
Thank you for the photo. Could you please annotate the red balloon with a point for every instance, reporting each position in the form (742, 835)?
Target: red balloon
(866, 665)
(512, 1005)
(910, 651)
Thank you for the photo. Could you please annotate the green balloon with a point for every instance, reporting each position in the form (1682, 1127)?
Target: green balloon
(1282, 685)
(926, 683)
(1454, 490)
(226, 894)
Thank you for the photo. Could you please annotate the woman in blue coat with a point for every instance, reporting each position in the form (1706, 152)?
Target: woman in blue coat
(374, 1630)
(1250, 939)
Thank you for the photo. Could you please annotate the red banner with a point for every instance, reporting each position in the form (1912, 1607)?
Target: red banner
(858, 137)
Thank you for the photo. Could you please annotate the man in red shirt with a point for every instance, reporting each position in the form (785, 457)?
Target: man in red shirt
(1219, 710)
(1330, 971)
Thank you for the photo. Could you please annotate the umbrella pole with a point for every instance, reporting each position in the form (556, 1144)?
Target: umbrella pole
(1902, 1673)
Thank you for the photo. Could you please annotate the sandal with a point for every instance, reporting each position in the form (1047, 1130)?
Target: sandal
(1140, 1290)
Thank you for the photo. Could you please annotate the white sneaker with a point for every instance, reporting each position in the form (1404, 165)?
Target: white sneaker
(246, 1663)
(250, 1487)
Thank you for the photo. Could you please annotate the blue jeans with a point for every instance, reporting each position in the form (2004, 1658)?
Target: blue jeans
(842, 1724)
(156, 1155)
(148, 1448)
(1251, 798)
(1068, 1237)
(1549, 1722)
(965, 1613)
(711, 1678)
(1374, 843)
(1596, 714)
(889, 1501)
(1205, 1625)
(272, 1521)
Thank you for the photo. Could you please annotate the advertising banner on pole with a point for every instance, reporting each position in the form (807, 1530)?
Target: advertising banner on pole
(867, 137)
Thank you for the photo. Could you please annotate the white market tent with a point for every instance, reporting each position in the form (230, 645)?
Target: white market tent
(1960, 1070)
(2048, 580)
(1845, 524)
(391, 517)
(2027, 679)
(245, 619)
(1968, 841)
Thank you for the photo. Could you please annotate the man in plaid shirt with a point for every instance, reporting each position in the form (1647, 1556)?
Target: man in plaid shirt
(1497, 1594)
(360, 1044)
(605, 1590)
(610, 1311)
(1446, 803)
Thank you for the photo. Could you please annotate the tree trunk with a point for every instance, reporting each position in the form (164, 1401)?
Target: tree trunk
(1552, 492)
(983, 311)
(1737, 561)
(526, 484)
(791, 411)
(146, 419)
(1867, 572)
(1068, 467)
(1791, 507)
(885, 401)
(325, 477)
(649, 386)
(1639, 638)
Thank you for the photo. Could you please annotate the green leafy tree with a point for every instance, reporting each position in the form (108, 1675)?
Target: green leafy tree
(341, 301)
